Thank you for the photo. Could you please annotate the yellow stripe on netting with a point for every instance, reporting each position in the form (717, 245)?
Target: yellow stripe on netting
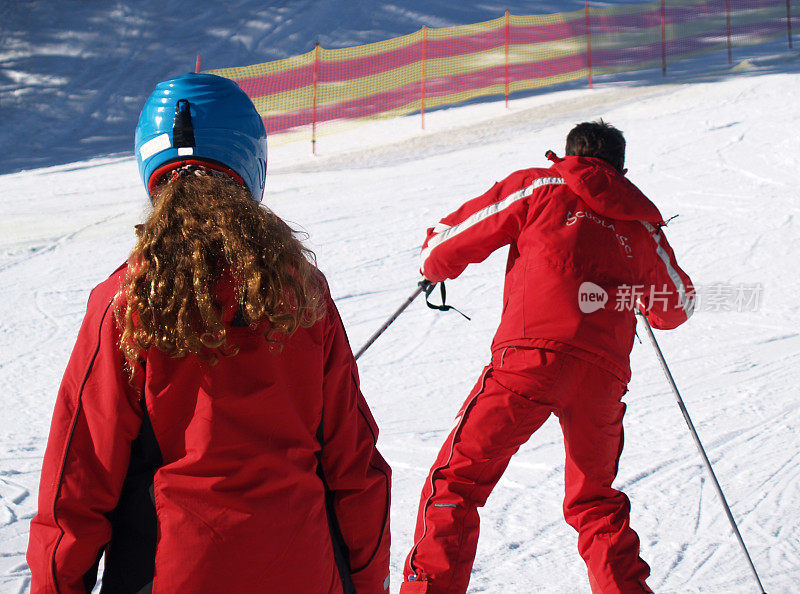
(465, 63)
(535, 52)
(265, 68)
(286, 102)
(518, 54)
(330, 93)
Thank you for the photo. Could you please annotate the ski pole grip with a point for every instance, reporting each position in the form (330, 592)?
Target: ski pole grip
(427, 286)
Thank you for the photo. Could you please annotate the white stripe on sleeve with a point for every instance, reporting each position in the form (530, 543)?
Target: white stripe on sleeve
(687, 301)
(475, 218)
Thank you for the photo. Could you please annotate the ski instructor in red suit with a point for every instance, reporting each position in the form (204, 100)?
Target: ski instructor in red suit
(209, 435)
(586, 248)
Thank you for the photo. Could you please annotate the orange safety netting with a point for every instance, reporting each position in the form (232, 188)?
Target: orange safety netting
(436, 67)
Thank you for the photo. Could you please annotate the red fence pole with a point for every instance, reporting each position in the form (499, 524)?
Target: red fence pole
(789, 23)
(507, 57)
(197, 62)
(728, 26)
(588, 45)
(664, 38)
(424, 74)
(314, 100)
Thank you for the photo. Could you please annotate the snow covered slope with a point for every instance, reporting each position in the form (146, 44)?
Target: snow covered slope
(719, 152)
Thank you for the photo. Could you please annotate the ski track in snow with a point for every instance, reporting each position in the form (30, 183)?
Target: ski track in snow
(715, 151)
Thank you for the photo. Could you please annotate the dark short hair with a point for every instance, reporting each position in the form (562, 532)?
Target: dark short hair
(597, 139)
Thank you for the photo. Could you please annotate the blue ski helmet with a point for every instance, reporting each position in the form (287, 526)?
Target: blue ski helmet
(201, 118)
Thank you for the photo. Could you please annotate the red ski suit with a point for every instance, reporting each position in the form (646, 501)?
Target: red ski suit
(268, 479)
(577, 229)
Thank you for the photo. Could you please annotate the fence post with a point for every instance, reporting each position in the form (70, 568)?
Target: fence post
(506, 36)
(197, 62)
(663, 38)
(424, 74)
(588, 45)
(728, 26)
(789, 22)
(315, 78)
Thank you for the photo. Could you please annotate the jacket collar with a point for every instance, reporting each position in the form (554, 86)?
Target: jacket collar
(604, 189)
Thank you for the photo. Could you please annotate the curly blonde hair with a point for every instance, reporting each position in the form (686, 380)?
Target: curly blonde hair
(202, 229)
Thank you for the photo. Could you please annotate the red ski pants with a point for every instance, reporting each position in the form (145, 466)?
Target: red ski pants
(515, 395)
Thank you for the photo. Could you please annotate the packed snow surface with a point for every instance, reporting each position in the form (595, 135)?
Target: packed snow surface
(721, 151)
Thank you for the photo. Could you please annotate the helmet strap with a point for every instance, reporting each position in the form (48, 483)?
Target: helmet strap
(195, 170)
(185, 167)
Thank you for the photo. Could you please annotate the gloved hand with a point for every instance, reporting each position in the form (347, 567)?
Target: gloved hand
(427, 286)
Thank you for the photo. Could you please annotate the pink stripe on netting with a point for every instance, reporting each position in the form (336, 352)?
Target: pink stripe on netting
(516, 72)
(357, 67)
(451, 47)
(275, 124)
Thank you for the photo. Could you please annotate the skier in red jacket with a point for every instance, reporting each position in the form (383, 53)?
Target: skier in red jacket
(209, 434)
(586, 247)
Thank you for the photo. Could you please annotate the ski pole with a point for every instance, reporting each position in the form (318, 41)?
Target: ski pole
(423, 286)
(702, 451)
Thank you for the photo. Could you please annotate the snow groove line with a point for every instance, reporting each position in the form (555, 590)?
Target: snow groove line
(453, 139)
(22, 493)
(59, 241)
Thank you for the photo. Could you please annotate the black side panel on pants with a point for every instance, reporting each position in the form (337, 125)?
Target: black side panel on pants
(131, 553)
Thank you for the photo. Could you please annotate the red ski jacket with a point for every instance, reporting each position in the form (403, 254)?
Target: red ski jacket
(261, 473)
(586, 247)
